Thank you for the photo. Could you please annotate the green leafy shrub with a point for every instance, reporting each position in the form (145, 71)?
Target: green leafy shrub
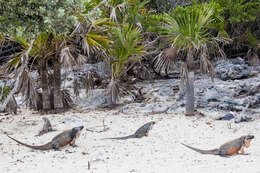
(20, 17)
(4, 92)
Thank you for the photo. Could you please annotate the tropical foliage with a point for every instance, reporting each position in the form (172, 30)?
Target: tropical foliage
(191, 29)
(54, 36)
(37, 16)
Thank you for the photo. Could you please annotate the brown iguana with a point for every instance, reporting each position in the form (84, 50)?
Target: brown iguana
(229, 148)
(61, 140)
(142, 131)
(47, 127)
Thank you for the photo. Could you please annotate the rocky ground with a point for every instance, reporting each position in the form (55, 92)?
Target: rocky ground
(235, 89)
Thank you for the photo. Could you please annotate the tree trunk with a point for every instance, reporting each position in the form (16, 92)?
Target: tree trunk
(189, 99)
(189, 84)
(46, 103)
(58, 104)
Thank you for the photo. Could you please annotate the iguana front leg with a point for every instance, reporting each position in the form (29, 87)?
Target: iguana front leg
(72, 143)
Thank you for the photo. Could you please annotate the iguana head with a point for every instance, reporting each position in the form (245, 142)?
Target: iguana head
(76, 131)
(247, 140)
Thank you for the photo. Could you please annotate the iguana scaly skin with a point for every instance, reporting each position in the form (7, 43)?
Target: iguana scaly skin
(142, 131)
(47, 127)
(229, 148)
(61, 140)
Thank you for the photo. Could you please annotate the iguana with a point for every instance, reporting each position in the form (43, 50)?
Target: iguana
(229, 148)
(142, 131)
(61, 140)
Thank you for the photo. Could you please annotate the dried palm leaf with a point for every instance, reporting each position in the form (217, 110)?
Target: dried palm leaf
(164, 62)
(28, 89)
(25, 59)
(142, 72)
(66, 99)
(76, 87)
(113, 91)
(81, 59)
(66, 58)
(205, 65)
(89, 81)
(11, 106)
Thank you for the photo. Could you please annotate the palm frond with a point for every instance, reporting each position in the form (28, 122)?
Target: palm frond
(115, 5)
(95, 42)
(89, 81)
(66, 58)
(76, 87)
(12, 106)
(66, 98)
(81, 59)
(29, 91)
(126, 47)
(113, 91)
(164, 62)
(94, 37)
(205, 65)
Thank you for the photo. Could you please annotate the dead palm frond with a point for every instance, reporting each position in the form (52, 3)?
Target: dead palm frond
(113, 91)
(66, 58)
(206, 66)
(12, 106)
(9, 50)
(76, 87)
(164, 62)
(66, 99)
(24, 59)
(29, 91)
(81, 59)
(89, 81)
(115, 6)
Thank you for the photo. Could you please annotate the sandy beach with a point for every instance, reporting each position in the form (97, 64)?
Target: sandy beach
(160, 152)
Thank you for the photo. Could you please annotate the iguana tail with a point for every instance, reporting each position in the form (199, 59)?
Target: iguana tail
(122, 138)
(214, 151)
(41, 147)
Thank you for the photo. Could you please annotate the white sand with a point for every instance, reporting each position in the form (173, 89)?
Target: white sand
(161, 152)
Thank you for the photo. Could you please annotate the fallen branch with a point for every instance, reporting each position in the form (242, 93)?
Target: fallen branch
(100, 131)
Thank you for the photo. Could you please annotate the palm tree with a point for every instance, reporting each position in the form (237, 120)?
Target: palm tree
(127, 47)
(92, 37)
(189, 29)
(47, 47)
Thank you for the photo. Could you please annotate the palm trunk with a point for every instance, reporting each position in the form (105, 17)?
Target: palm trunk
(189, 85)
(189, 99)
(58, 104)
(46, 103)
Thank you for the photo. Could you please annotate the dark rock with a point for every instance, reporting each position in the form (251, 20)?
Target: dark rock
(232, 69)
(226, 117)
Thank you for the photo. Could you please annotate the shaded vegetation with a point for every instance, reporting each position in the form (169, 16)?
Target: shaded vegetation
(132, 37)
